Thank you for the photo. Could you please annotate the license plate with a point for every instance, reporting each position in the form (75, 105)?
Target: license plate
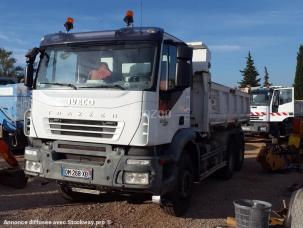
(77, 173)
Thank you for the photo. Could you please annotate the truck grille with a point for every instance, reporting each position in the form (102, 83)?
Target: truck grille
(83, 159)
(83, 128)
(254, 117)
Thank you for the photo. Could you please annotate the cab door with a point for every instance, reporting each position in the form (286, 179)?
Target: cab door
(282, 104)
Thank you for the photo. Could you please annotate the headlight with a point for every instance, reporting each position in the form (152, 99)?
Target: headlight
(30, 152)
(264, 129)
(35, 167)
(136, 178)
(137, 162)
(246, 128)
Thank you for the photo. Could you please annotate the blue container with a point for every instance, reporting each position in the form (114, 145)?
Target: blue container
(15, 99)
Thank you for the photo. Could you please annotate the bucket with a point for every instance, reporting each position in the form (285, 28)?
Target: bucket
(252, 213)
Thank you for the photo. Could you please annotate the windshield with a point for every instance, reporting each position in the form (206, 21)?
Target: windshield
(120, 66)
(260, 97)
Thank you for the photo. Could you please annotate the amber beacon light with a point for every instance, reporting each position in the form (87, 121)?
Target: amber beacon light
(69, 24)
(129, 18)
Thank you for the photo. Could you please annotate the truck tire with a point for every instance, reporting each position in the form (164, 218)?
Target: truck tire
(71, 196)
(228, 171)
(294, 217)
(239, 153)
(177, 202)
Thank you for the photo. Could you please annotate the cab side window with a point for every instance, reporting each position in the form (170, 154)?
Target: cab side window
(285, 96)
(49, 67)
(168, 67)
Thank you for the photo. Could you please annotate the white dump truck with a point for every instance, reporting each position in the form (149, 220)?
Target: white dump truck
(133, 111)
(272, 110)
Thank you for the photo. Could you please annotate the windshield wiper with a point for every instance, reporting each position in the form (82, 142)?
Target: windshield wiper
(60, 84)
(104, 86)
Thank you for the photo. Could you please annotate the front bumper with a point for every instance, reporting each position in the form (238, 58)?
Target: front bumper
(256, 128)
(108, 166)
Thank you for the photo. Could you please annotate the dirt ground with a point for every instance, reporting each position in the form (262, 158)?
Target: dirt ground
(212, 201)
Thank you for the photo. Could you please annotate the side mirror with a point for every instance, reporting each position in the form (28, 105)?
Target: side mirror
(184, 52)
(29, 73)
(29, 76)
(184, 66)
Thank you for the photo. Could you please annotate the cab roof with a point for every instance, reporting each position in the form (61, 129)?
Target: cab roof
(124, 34)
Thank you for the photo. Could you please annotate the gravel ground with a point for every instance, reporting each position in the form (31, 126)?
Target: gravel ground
(212, 201)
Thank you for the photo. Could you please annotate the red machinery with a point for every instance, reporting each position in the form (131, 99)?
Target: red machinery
(12, 175)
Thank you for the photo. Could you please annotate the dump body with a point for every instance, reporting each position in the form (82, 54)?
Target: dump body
(228, 105)
(214, 104)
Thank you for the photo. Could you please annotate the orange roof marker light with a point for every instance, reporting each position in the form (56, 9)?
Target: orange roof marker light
(129, 18)
(69, 24)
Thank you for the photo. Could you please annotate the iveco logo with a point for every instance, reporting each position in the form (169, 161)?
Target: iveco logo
(89, 115)
(81, 101)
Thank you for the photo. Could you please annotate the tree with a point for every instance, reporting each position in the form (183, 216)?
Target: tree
(249, 74)
(266, 78)
(298, 83)
(19, 71)
(7, 63)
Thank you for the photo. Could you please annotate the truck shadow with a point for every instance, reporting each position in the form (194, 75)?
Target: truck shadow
(38, 195)
(213, 199)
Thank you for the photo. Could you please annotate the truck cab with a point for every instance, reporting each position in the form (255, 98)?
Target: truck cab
(260, 100)
(272, 110)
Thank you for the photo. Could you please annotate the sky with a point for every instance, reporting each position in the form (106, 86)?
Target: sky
(270, 29)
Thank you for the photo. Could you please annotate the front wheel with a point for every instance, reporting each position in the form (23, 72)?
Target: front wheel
(177, 202)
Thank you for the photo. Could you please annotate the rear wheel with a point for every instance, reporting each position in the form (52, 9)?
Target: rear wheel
(177, 202)
(228, 171)
(239, 153)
